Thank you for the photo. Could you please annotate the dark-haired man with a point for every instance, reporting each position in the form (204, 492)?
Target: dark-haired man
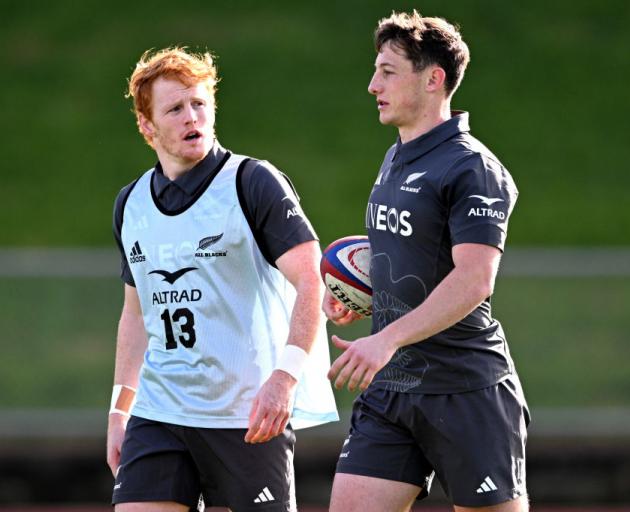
(441, 395)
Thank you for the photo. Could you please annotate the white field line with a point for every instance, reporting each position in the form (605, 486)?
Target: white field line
(516, 262)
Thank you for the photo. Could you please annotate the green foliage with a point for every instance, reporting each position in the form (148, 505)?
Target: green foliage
(567, 337)
(546, 90)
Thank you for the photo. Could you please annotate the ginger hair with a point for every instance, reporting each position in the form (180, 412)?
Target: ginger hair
(175, 63)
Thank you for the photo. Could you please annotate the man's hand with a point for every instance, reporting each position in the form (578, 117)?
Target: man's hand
(336, 312)
(360, 361)
(115, 435)
(271, 408)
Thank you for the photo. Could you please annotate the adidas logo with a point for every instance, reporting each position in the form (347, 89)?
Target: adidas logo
(136, 256)
(264, 496)
(487, 486)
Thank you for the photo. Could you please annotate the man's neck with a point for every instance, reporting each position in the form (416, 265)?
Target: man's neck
(425, 122)
(174, 168)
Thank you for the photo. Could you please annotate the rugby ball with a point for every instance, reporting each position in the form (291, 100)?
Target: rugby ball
(345, 269)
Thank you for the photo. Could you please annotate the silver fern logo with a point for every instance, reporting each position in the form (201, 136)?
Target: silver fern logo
(414, 176)
(204, 243)
(204, 251)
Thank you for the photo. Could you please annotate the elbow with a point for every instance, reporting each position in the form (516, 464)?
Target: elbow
(485, 286)
(480, 282)
(486, 291)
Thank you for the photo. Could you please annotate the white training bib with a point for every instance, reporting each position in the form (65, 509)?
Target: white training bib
(216, 313)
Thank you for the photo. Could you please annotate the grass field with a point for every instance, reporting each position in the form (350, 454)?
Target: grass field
(546, 90)
(294, 91)
(567, 336)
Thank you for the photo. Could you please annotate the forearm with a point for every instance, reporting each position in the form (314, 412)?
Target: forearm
(300, 266)
(130, 347)
(307, 316)
(274, 400)
(461, 291)
(457, 295)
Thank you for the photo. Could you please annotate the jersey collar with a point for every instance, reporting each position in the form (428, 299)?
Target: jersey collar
(418, 147)
(190, 181)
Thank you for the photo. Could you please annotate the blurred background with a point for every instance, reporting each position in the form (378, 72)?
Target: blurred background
(547, 91)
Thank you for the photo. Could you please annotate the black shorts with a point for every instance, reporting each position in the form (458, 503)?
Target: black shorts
(474, 442)
(164, 462)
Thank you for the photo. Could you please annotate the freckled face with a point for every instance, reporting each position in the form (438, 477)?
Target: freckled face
(182, 126)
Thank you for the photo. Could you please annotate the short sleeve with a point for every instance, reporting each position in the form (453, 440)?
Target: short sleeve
(272, 208)
(481, 195)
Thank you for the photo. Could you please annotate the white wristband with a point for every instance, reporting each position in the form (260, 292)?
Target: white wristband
(292, 361)
(123, 398)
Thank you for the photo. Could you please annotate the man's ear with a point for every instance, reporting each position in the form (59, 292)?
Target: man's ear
(435, 79)
(146, 127)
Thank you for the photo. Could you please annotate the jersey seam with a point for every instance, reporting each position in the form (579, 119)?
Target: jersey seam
(456, 163)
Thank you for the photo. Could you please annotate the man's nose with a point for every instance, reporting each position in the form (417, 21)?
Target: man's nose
(374, 86)
(191, 115)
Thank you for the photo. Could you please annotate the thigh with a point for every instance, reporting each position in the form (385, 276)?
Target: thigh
(476, 442)
(381, 446)
(155, 467)
(245, 476)
(355, 493)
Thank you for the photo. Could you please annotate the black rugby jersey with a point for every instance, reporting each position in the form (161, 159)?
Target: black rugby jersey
(439, 190)
(276, 220)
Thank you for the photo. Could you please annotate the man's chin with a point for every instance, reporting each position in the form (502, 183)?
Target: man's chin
(384, 119)
(195, 154)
